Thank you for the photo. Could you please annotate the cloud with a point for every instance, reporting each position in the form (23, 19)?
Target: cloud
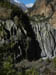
(17, 1)
(29, 5)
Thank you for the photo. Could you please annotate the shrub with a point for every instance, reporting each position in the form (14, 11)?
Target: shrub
(54, 62)
(7, 68)
(32, 72)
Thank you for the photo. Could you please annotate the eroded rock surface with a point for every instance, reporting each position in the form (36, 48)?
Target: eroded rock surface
(45, 34)
(46, 8)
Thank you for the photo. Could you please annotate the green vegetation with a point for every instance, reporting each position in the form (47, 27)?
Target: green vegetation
(54, 62)
(47, 72)
(7, 68)
(29, 72)
(5, 4)
(38, 18)
(32, 72)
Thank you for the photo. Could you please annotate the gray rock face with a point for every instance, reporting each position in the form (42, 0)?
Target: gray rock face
(46, 37)
(44, 33)
(8, 29)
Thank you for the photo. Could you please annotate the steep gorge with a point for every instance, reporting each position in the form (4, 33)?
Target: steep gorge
(26, 37)
(17, 37)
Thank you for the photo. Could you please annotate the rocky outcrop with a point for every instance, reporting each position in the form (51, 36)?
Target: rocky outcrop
(45, 34)
(17, 35)
(40, 67)
(45, 29)
(46, 8)
(24, 36)
(41, 7)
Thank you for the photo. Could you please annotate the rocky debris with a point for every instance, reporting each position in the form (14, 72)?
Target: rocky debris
(43, 67)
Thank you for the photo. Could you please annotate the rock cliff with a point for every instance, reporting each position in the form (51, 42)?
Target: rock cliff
(16, 34)
(46, 8)
(45, 34)
(28, 38)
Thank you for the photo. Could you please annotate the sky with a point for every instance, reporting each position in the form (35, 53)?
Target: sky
(28, 3)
